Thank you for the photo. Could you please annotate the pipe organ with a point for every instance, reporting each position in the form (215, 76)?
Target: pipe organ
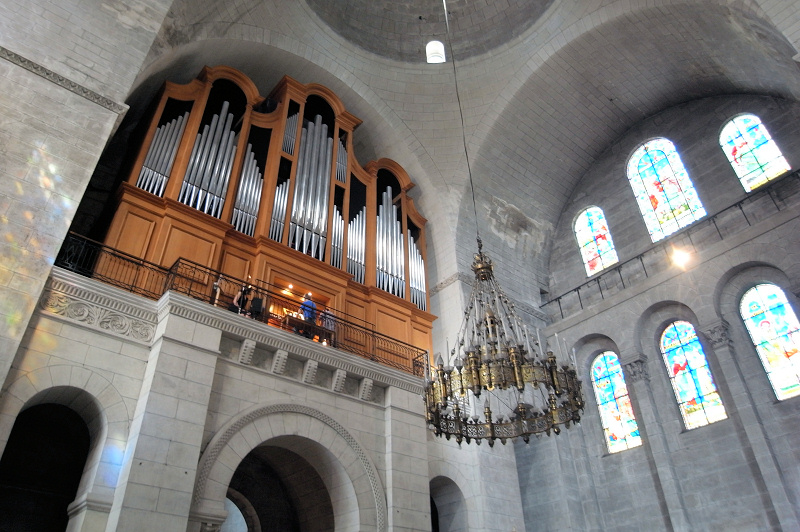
(210, 185)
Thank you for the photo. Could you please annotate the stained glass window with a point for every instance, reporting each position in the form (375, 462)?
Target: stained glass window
(616, 414)
(752, 153)
(775, 332)
(665, 194)
(594, 239)
(698, 399)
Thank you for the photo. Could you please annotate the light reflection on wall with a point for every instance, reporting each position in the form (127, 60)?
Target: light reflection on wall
(113, 454)
(32, 234)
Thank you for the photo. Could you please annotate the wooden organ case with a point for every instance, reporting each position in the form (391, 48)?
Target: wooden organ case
(269, 189)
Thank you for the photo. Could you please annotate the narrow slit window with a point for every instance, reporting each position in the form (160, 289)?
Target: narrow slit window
(775, 333)
(687, 367)
(664, 192)
(616, 413)
(753, 154)
(594, 240)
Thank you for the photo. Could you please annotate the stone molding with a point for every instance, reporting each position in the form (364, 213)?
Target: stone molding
(61, 81)
(97, 311)
(636, 370)
(90, 501)
(214, 449)
(460, 276)
(104, 307)
(200, 312)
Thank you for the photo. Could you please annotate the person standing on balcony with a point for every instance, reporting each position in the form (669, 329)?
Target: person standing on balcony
(241, 300)
(309, 310)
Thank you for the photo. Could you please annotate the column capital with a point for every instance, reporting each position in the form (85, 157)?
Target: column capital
(636, 368)
(718, 334)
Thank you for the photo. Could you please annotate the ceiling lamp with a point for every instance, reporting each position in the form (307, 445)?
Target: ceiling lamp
(434, 51)
(493, 385)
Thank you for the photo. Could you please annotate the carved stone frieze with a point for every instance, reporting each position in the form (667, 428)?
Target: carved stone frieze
(96, 315)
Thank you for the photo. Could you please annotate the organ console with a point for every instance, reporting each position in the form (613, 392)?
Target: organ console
(268, 187)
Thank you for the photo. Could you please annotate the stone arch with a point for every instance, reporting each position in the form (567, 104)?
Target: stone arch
(345, 463)
(95, 399)
(447, 480)
(731, 328)
(450, 504)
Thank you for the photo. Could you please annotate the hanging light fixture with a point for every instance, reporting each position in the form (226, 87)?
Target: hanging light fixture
(493, 384)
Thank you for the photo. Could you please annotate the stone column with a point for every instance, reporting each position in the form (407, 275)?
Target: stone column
(160, 463)
(753, 440)
(667, 486)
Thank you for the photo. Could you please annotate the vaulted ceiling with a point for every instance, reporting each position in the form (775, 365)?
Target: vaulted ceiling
(545, 87)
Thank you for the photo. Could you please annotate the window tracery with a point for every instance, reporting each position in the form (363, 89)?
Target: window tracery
(690, 376)
(775, 333)
(616, 414)
(753, 154)
(664, 192)
(594, 240)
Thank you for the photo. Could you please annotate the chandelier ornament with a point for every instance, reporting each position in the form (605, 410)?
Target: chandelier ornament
(493, 385)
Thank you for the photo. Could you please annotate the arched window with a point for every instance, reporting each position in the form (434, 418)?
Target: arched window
(698, 399)
(752, 153)
(616, 414)
(775, 332)
(594, 239)
(663, 190)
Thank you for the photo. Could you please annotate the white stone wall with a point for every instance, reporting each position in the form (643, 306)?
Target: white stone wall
(177, 393)
(736, 474)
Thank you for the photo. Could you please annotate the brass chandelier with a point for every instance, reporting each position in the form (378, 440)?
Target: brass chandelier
(523, 392)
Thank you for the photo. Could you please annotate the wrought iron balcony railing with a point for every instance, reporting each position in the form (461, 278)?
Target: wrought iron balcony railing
(261, 302)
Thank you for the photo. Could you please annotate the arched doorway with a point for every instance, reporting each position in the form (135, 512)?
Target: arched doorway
(283, 491)
(448, 507)
(41, 468)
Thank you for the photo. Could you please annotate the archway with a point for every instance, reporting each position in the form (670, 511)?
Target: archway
(280, 490)
(448, 507)
(284, 433)
(41, 468)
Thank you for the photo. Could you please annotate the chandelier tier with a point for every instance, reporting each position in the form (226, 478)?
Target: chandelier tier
(492, 357)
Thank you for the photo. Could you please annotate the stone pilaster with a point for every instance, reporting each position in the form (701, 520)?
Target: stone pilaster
(667, 485)
(160, 464)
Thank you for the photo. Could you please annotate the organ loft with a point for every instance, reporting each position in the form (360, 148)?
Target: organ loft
(266, 191)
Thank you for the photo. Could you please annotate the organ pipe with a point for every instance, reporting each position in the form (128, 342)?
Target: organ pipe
(416, 272)
(390, 256)
(161, 155)
(312, 154)
(341, 162)
(309, 217)
(290, 133)
(279, 211)
(337, 237)
(206, 180)
(249, 196)
(356, 249)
